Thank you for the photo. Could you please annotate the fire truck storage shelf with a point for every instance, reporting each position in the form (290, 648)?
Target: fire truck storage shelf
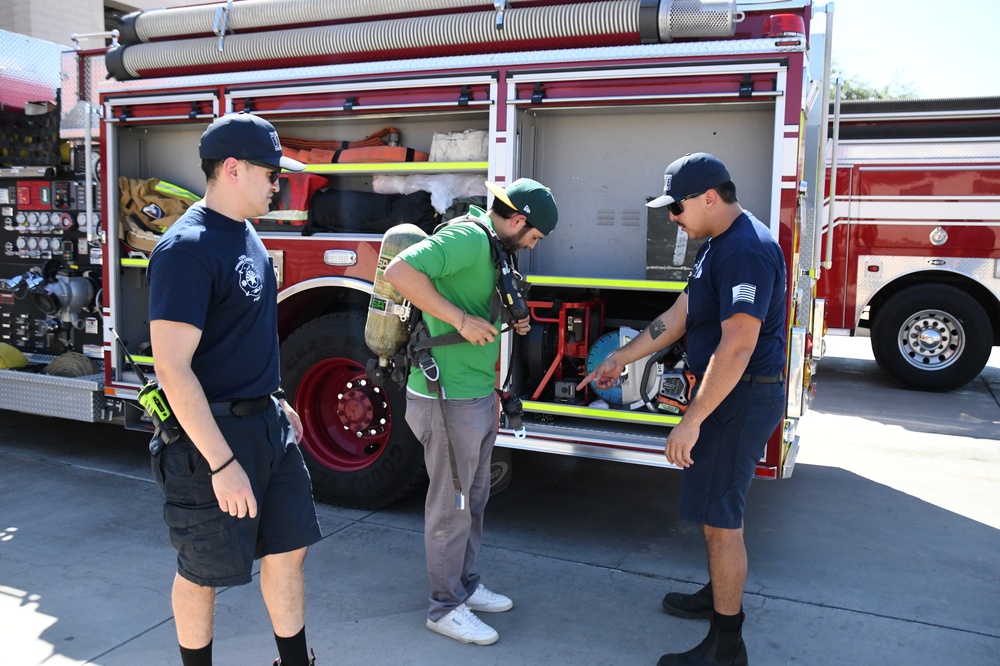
(402, 167)
(76, 398)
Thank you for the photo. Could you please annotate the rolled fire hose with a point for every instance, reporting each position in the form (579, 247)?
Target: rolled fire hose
(576, 25)
(255, 15)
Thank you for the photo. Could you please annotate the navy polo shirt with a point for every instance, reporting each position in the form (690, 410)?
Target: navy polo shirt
(740, 270)
(214, 273)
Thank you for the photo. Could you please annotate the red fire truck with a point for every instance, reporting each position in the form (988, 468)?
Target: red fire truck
(593, 99)
(914, 257)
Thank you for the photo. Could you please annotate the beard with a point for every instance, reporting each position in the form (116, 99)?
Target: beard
(512, 243)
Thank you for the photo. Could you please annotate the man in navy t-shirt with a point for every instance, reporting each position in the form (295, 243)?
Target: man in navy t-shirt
(236, 486)
(733, 313)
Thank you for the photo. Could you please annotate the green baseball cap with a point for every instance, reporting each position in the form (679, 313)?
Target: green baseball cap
(531, 199)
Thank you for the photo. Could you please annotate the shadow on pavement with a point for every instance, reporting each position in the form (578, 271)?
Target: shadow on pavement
(857, 387)
(844, 570)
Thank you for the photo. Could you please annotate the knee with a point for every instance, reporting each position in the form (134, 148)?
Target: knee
(721, 535)
(293, 559)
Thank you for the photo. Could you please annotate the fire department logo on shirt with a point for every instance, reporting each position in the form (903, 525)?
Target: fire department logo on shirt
(250, 280)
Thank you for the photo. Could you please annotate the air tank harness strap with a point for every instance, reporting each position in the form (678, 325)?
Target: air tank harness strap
(418, 351)
(419, 354)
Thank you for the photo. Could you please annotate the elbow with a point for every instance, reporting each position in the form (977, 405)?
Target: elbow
(391, 274)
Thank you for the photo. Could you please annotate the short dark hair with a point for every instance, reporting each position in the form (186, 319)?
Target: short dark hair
(211, 168)
(502, 209)
(506, 212)
(727, 192)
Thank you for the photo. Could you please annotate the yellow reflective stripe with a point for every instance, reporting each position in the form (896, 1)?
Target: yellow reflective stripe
(607, 283)
(397, 167)
(142, 360)
(607, 414)
(174, 190)
(135, 263)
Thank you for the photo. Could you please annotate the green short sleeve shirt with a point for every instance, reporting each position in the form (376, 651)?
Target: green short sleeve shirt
(458, 261)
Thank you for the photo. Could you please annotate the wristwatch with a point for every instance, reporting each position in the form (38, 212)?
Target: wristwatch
(279, 394)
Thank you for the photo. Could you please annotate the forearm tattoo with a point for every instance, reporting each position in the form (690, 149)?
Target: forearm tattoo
(657, 328)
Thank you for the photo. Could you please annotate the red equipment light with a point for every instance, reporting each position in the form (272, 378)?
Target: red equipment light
(784, 25)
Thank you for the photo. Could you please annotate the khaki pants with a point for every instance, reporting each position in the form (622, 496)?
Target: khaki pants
(451, 537)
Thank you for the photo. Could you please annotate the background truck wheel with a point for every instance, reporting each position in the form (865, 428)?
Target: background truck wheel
(358, 448)
(932, 338)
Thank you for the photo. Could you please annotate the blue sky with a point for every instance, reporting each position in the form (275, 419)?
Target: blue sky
(941, 48)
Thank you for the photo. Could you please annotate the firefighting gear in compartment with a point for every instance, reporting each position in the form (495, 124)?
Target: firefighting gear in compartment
(148, 208)
(11, 357)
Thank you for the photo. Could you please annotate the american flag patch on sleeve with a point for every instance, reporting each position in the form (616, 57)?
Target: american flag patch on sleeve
(744, 292)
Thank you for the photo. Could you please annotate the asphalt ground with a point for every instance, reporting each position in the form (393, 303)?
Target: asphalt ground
(883, 548)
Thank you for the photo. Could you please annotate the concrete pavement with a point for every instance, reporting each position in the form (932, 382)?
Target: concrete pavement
(881, 549)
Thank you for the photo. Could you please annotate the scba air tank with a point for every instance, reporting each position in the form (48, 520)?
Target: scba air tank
(385, 331)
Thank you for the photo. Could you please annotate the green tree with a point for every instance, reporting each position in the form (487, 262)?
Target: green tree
(854, 87)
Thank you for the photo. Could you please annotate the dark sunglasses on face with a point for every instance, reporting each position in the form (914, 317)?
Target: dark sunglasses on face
(676, 208)
(273, 173)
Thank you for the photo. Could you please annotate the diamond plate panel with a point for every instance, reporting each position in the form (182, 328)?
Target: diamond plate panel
(75, 398)
(917, 152)
(749, 47)
(891, 268)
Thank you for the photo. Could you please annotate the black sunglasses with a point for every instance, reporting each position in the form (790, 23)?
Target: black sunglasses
(676, 208)
(275, 172)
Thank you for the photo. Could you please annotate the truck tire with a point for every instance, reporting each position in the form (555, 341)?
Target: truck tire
(932, 338)
(356, 443)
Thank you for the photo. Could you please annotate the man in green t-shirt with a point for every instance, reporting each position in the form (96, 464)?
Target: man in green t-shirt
(451, 277)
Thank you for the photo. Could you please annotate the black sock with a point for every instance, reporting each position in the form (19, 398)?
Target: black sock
(728, 622)
(199, 657)
(293, 650)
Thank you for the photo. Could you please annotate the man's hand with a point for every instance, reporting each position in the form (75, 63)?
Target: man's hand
(232, 489)
(605, 375)
(522, 326)
(680, 442)
(293, 417)
(477, 330)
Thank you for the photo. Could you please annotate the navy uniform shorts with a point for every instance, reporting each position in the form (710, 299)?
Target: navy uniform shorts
(215, 549)
(732, 440)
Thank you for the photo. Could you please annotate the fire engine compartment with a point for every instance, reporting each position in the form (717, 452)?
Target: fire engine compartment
(596, 117)
(611, 266)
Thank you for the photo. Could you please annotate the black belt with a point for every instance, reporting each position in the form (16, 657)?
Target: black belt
(764, 379)
(247, 407)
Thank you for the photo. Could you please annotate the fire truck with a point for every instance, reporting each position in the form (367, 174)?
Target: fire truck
(593, 99)
(914, 257)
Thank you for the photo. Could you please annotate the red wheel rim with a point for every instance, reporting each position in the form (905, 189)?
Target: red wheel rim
(347, 418)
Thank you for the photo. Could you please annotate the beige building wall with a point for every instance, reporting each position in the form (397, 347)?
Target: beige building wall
(52, 20)
(56, 20)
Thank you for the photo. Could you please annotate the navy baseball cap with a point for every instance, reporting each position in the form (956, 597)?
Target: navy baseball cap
(694, 173)
(245, 137)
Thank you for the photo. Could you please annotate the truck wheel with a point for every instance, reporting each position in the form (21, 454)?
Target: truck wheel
(358, 448)
(932, 338)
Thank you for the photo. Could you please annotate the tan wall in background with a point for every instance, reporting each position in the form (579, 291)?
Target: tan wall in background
(55, 20)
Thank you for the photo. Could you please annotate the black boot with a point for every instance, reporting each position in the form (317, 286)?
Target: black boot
(722, 648)
(312, 660)
(697, 605)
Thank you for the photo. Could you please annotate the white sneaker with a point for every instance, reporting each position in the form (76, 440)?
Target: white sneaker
(487, 601)
(464, 627)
